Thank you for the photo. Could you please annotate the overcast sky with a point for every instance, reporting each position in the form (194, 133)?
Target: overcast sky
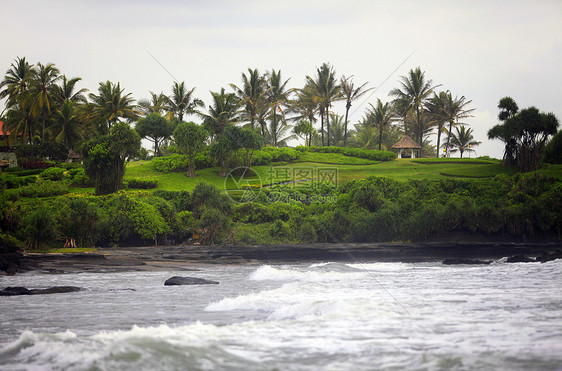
(483, 50)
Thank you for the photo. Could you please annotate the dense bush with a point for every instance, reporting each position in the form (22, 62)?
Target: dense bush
(13, 181)
(369, 154)
(29, 165)
(553, 150)
(142, 183)
(53, 173)
(40, 188)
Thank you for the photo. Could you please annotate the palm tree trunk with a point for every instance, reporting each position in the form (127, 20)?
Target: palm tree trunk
(328, 125)
(347, 107)
(449, 136)
(438, 140)
(322, 124)
(380, 138)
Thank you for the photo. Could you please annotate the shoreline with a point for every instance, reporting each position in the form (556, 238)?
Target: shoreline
(189, 257)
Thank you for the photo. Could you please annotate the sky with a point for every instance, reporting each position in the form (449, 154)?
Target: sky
(483, 50)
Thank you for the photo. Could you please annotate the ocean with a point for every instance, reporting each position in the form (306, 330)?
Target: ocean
(324, 316)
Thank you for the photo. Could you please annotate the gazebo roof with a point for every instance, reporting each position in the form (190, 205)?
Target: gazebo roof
(406, 142)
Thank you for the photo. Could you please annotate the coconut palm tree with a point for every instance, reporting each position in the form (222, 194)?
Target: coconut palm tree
(16, 81)
(411, 97)
(381, 117)
(457, 110)
(182, 102)
(253, 95)
(42, 90)
(277, 98)
(463, 140)
(350, 93)
(326, 90)
(224, 110)
(156, 104)
(67, 128)
(66, 91)
(110, 105)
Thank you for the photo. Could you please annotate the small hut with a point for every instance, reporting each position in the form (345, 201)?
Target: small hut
(403, 145)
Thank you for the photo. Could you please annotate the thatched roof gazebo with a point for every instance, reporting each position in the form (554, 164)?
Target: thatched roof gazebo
(404, 144)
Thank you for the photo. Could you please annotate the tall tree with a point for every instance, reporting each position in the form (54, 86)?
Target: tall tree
(182, 102)
(350, 93)
(42, 89)
(67, 127)
(224, 110)
(16, 81)
(110, 105)
(508, 109)
(277, 97)
(463, 141)
(67, 91)
(304, 129)
(411, 97)
(252, 94)
(443, 109)
(156, 104)
(381, 117)
(326, 90)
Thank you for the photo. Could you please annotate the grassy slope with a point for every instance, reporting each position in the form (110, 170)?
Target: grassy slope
(348, 168)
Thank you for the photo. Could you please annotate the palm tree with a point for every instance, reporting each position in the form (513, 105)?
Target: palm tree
(111, 104)
(253, 95)
(277, 97)
(410, 98)
(156, 104)
(463, 140)
(337, 130)
(326, 91)
(16, 80)
(223, 111)
(65, 91)
(350, 94)
(67, 127)
(42, 89)
(381, 117)
(182, 102)
(457, 111)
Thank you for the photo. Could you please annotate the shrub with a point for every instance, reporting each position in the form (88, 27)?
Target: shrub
(22, 172)
(13, 181)
(40, 188)
(167, 164)
(40, 228)
(53, 173)
(142, 184)
(553, 150)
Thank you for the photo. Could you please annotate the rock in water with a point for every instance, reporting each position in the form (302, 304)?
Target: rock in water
(177, 280)
(520, 259)
(549, 256)
(465, 261)
(13, 291)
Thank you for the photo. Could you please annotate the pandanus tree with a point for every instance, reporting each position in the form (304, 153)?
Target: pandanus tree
(182, 102)
(111, 104)
(252, 94)
(190, 139)
(411, 97)
(326, 91)
(508, 109)
(155, 128)
(463, 140)
(350, 94)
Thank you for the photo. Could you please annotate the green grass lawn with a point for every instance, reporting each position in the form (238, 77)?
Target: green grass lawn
(347, 168)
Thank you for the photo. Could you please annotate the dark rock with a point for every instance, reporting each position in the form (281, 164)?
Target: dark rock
(465, 261)
(520, 259)
(549, 255)
(177, 280)
(56, 290)
(17, 290)
(13, 291)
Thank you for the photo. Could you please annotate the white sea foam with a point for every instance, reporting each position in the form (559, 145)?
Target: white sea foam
(269, 273)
